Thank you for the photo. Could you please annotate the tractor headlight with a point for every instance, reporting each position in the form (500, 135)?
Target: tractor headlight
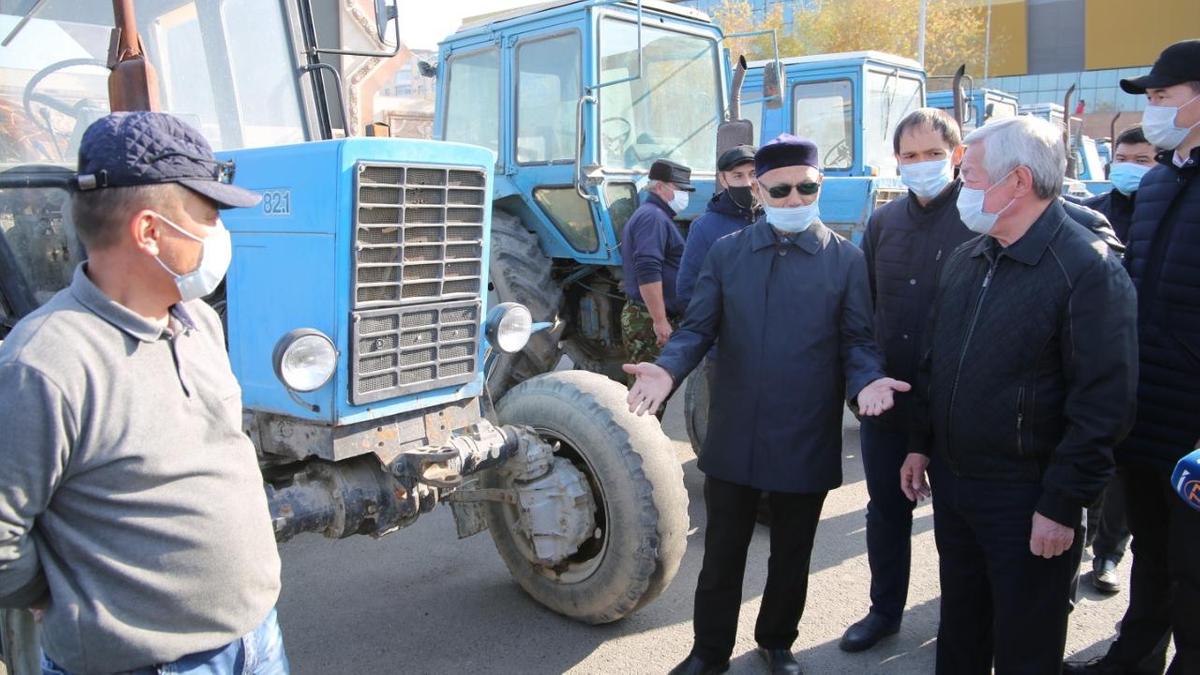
(304, 359)
(508, 327)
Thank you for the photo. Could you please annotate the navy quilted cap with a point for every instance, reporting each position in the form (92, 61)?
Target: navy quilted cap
(148, 148)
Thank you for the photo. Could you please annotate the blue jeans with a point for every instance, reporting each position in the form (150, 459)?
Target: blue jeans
(259, 652)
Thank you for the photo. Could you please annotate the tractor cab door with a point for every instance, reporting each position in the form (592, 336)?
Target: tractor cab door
(545, 71)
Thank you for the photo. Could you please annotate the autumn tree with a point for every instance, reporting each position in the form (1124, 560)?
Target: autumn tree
(954, 30)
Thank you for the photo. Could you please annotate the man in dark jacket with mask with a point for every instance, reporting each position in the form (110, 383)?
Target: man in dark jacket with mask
(1163, 259)
(1027, 386)
(651, 250)
(906, 243)
(1133, 156)
(728, 211)
(789, 302)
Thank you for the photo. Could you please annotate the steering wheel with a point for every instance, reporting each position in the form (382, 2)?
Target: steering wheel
(838, 155)
(30, 95)
(614, 143)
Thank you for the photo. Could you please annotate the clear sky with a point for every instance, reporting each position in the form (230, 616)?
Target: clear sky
(423, 23)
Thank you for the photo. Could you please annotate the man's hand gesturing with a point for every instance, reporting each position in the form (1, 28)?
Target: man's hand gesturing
(650, 390)
(876, 398)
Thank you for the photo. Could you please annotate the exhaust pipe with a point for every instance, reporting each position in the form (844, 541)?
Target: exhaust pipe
(735, 93)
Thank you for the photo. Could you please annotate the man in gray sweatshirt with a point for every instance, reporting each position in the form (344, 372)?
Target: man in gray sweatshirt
(132, 513)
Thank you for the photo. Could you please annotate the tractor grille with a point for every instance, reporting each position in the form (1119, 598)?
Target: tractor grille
(410, 349)
(418, 266)
(883, 195)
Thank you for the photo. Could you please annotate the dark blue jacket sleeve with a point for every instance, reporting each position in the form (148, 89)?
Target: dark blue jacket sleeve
(649, 246)
(699, 241)
(700, 325)
(861, 357)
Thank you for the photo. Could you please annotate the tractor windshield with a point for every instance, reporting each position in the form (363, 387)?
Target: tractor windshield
(890, 96)
(224, 66)
(672, 110)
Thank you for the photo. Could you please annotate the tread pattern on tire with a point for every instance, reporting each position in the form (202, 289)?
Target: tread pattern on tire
(643, 561)
(520, 272)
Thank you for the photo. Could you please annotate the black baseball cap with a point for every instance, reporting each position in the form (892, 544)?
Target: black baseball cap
(672, 172)
(1176, 64)
(735, 156)
(148, 148)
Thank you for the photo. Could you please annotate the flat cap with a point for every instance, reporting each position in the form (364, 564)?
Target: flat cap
(1176, 64)
(735, 156)
(672, 172)
(149, 148)
(786, 150)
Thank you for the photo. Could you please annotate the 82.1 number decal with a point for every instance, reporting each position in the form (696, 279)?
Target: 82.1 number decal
(277, 202)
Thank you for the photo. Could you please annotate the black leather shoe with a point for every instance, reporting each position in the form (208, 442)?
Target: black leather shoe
(1096, 666)
(780, 661)
(866, 633)
(694, 665)
(1104, 576)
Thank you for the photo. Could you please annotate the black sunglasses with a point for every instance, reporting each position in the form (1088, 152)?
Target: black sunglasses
(784, 189)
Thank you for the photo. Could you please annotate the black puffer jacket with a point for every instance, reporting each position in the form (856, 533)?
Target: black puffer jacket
(906, 245)
(1164, 261)
(1117, 208)
(1033, 363)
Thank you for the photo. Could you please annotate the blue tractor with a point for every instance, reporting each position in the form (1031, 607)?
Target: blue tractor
(848, 103)
(578, 99)
(357, 306)
(981, 105)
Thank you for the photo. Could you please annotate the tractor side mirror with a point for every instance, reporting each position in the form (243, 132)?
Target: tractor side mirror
(773, 84)
(385, 14)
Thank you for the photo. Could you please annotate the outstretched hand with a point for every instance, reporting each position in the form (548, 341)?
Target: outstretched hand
(877, 397)
(650, 390)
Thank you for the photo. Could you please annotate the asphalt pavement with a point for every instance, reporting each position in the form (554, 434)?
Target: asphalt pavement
(421, 601)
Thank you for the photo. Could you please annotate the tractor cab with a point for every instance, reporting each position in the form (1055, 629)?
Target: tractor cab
(578, 99)
(849, 104)
(981, 105)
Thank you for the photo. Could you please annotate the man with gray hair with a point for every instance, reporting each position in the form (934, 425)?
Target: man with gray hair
(1027, 384)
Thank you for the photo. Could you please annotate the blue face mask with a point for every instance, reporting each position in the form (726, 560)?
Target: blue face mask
(927, 179)
(792, 218)
(1126, 176)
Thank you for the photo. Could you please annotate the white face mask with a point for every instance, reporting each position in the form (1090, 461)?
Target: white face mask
(927, 179)
(215, 254)
(792, 218)
(970, 207)
(679, 202)
(1158, 123)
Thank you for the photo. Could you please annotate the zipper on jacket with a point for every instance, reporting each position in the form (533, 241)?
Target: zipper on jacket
(1020, 420)
(962, 354)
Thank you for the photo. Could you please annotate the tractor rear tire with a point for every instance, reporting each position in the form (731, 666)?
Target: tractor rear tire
(637, 483)
(520, 272)
(696, 399)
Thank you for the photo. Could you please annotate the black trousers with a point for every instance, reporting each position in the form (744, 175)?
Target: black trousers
(1107, 526)
(889, 518)
(1164, 587)
(1000, 603)
(731, 510)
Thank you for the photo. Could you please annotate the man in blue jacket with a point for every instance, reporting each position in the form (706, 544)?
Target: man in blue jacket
(728, 211)
(906, 243)
(788, 300)
(651, 249)
(1163, 259)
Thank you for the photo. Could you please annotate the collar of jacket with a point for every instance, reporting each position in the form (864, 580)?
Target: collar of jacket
(136, 326)
(1167, 157)
(654, 199)
(722, 203)
(948, 197)
(1030, 247)
(810, 241)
